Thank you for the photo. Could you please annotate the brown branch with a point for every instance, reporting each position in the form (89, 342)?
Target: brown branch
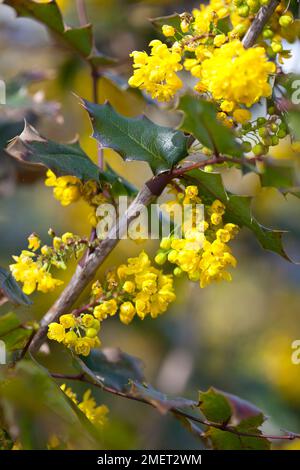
(258, 23)
(176, 411)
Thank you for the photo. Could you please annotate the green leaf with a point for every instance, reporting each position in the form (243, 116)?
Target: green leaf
(120, 372)
(13, 333)
(81, 39)
(137, 138)
(238, 209)
(223, 440)
(200, 119)
(240, 415)
(112, 368)
(62, 159)
(11, 289)
(215, 406)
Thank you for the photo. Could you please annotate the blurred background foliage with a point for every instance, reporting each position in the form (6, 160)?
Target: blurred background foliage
(237, 336)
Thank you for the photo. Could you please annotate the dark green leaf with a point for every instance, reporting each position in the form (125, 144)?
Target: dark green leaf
(112, 368)
(81, 39)
(62, 159)
(238, 209)
(215, 406)
(11, 288)
(120, 372)
(137, 138)
(200, 119)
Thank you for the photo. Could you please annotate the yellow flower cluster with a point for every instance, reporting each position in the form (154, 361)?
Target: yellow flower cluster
(236, 74)
(135, 288)
(149, 290)
(69, 189)
(32, 274)
(33, 269)
(233, 76)
(77, 333)
(204, 257)
(95, 414)
(156, 73)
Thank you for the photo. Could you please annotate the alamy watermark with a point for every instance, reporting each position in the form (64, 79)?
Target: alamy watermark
(295, 97)
(295, 356)
(153, 222)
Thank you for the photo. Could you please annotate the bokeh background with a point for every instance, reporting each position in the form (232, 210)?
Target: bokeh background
(237, 336)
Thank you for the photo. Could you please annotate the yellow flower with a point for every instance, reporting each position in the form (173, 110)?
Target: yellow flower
(67, 321)
(156, 73)
(96, 414)
(168, 30)
(227, 106)
(82, 346)
(34, 242)
(242, 115)
(108, 307)
(219, 40)
(56, 332)
(70, 338)
(87, 320)
(129, 286)
(67, 189)
(67, 237)
(127, 312)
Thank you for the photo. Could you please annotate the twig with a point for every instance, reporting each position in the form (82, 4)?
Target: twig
(82, 13)
(259, 22)
(223, 427)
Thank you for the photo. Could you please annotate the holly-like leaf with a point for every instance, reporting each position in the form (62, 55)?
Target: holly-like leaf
(11, 289)
(112, 368)
(238, 209)
(63, 159)
(137, 138)
(80, 39)
(215, 406)
(200, 119)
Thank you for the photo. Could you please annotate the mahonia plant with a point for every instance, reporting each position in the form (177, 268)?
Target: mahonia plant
(208, 67)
